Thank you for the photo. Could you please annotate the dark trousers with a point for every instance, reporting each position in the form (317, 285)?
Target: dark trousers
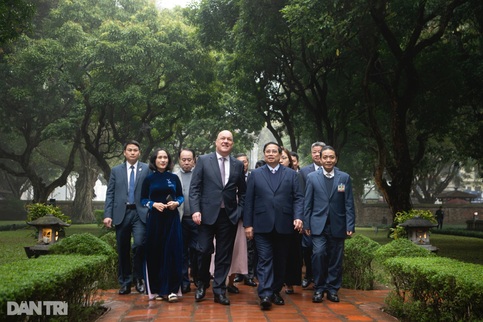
(252, 258)
(307, 256)
(225, 232)
(191, 255)
(272, 261)
(327, 256)
(131, 225)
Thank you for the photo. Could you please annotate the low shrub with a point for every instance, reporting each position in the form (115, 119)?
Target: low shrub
(435, 289)
(88, 244)
(37, 210)
(357, 266)
(402, 216)
(398, 247)
(70, 278)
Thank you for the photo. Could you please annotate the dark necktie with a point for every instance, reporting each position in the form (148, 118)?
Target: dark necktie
(222, 170)
(130, 194)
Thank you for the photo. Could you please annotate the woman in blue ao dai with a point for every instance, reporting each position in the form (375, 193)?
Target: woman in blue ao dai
(162, 194)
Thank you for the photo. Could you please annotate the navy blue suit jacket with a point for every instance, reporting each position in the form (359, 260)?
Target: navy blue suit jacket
(207, 190)
(304, 172)
(117, 189)
(268, 209)
(338, 204)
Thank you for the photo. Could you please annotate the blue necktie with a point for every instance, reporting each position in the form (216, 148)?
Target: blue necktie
(130, 193)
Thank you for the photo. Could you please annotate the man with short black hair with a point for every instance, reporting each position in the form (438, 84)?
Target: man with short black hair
(123, 209)
(330, 217)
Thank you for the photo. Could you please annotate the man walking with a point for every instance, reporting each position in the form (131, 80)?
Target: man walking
(217, 196)
(123, 209)
(315, 150)
(330, 218)
(187, 162)
(273, 210)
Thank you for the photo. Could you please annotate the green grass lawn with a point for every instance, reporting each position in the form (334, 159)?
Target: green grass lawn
(465, 249)
(12, 242)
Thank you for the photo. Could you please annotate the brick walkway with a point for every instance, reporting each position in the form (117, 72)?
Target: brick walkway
(354, 306)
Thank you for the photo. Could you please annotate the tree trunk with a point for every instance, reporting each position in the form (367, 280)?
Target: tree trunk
(82, 209)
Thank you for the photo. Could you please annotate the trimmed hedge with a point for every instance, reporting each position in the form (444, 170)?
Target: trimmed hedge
(401, 247)
(357, 270)
(435, 289)
(88, 244)
(70, 278)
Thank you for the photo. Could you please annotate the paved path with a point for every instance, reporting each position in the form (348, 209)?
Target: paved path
(354, 306)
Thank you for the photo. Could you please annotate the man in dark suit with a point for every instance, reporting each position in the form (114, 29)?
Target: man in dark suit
(330, 218)
(273, 210)
(123, 209)
(315, 150)
(217, 196)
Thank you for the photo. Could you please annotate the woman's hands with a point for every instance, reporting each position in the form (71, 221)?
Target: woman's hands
(159, 206)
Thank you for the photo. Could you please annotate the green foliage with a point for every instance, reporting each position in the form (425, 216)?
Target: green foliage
(99, 215)
(83, 244)
(88, 244)
(110, 239)
(358, 255)
(70, 278)
(402, 248)
(435, 289)
(16, 16)
(397, 248)
(402, 216)
(37, 210)
(458, 232)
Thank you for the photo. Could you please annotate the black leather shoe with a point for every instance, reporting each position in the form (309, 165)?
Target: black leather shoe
(185, 289)
(305, 283)
(333, 297)
(277, 299)
(125, 289)
(265, 303)
(238, 278)
(200, 292)
(317, 298)
(140, 286)
(222, 299)
(232, 289)
(250, 282)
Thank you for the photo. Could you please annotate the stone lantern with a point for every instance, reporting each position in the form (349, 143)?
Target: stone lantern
(418, 232)
(50, 231)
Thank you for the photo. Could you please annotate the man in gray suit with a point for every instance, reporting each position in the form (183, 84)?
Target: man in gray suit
(273, 210)
(123, 209)
(330, 219)
(217, 195)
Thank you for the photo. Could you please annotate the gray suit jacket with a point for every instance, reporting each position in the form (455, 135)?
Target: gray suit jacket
(207, 191)
(116, 195)
(338, 204)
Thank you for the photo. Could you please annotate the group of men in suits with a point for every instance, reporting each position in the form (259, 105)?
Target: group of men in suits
(272, 204)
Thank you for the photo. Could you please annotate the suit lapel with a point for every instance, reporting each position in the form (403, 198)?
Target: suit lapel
(216, 167)
(265, 173)
(335, 183)
(138, 173)
(321, 180)
(281, 176)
